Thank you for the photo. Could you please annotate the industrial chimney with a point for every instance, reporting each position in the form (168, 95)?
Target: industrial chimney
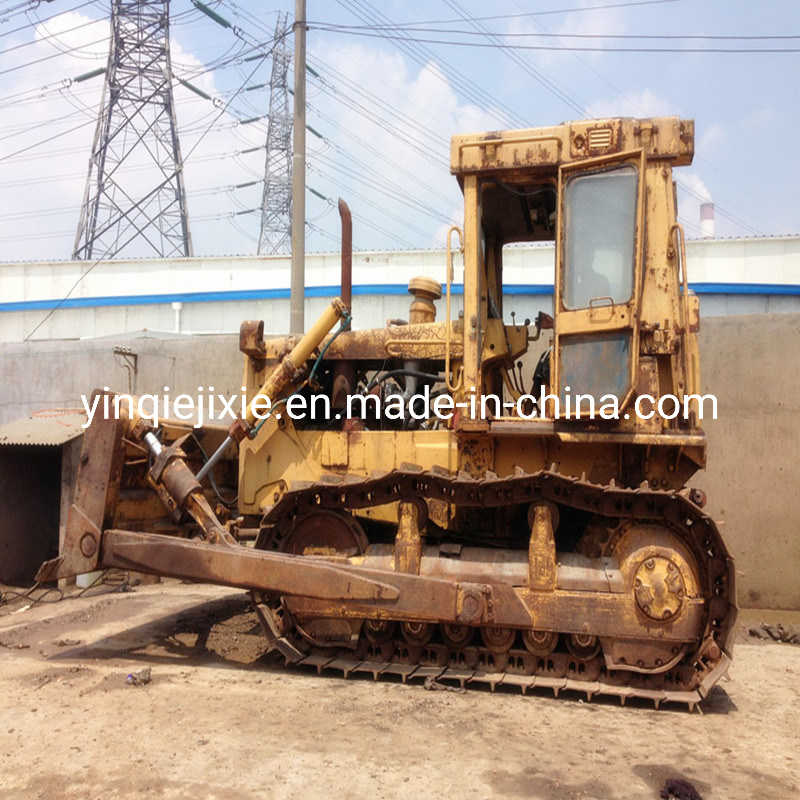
(707, 220)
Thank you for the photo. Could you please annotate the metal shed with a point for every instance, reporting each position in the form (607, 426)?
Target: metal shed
(38, 461)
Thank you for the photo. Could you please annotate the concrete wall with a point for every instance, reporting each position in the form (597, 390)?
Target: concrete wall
(54, 374)
(752, 364)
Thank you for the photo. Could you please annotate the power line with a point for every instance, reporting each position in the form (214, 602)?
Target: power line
(98, 261)
(46, 140)
(60, 89)
(48, 57)
(634, 103)
(365, 221)
(548, 35)
(27, 25)
(761, 202)
(243, 50)
(398, 168)
(379, 33)
(50, 36)
(718, 209)
(388, 189)
(451, 77)
(550, 85)
(384, 210)
(573, 10)
(13, 11)
(414, 135)
(345, 160)
(53, 178)
(241, 47)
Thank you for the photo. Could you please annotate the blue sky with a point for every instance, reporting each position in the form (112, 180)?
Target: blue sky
(386, 109)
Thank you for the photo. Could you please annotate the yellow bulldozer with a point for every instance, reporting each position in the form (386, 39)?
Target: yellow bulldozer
(408, 501)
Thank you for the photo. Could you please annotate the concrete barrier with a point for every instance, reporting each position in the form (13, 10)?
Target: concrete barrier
(752, 364)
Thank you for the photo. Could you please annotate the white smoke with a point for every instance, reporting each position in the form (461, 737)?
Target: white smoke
(697, 187)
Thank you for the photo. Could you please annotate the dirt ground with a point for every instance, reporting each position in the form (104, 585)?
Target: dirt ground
(222, 720)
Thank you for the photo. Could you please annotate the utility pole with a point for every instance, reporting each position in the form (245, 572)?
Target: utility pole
(135, 200)
(297, 294)
(276, 203)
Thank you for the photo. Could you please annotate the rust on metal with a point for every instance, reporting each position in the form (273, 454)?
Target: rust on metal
(408, 542)
(347, 256)
(251, 338)
(94, 503)
(541, 549)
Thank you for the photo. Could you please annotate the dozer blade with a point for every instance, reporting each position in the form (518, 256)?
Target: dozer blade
(92, 509)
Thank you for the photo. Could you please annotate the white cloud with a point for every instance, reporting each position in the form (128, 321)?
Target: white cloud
(42, 186)
(386, 158)
(696, 185)
(595, 23)
(638, 103)
(400, 152)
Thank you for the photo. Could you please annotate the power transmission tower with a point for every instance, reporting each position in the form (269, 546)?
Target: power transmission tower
(276, 204)
(135, 201)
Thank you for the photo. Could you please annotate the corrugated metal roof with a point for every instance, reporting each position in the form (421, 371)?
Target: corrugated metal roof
(52, 426)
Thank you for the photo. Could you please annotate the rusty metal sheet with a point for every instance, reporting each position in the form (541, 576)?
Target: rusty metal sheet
(94, 503)
(49, 427)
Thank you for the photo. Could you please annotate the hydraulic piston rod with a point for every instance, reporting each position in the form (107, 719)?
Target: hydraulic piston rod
(278, 380)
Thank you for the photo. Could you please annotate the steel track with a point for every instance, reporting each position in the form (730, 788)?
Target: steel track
(687, 683)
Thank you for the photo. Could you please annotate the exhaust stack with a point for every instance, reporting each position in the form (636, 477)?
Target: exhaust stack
(707, 220)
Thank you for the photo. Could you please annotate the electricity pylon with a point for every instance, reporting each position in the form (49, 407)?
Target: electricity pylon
(135, 201)
(276, 205)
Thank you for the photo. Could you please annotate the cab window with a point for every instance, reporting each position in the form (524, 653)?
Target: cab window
(599, 243)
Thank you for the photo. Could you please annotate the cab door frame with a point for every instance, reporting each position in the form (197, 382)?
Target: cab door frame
(598, 318)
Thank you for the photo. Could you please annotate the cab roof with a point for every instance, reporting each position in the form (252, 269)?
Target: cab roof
(543, 150)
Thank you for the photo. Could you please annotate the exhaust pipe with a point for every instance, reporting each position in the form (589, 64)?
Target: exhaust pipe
(347, 257)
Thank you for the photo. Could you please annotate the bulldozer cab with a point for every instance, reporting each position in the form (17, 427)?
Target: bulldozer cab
(602, 192)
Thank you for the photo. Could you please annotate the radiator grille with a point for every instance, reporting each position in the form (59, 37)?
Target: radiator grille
(600, 138)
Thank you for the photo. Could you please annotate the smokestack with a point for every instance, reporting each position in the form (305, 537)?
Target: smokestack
(707, 220)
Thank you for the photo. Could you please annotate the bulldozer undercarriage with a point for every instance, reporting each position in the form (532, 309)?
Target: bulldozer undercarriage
(624, 627)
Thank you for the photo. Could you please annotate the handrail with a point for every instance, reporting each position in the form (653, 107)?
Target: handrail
(677, 228)
(451, 387)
